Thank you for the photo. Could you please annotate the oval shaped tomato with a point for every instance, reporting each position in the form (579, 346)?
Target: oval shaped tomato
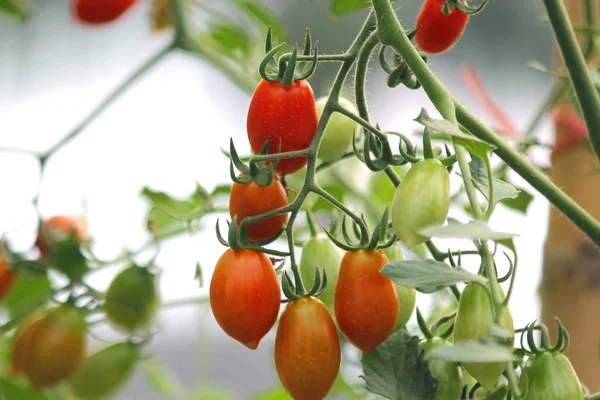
(132, 300)
(250, 199)
(307, 350)
(7, 278)
(549, 376)
(51, 346)
(245, 295)
(287, 115)
(473, 321)
(103, 373)
(407, 296)
(99, 11)
(421, 200)
(438, 32)
(366, 303)
(448, 374)
(58, 228)
(319, 251)
(338, 134)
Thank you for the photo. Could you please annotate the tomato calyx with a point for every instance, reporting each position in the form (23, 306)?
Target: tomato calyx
(462, 6)
(295, 290)
(383, 237)
(562, 341)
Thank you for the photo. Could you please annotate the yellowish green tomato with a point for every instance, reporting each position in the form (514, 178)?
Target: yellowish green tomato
(339, 132)
(406, 295)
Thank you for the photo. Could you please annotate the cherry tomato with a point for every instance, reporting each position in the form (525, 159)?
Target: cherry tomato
(473, 321)
(250, 199)
(50, 347)
(448, 374)
(421, 200)
(132, 300)
(286, 114)
(307, 350)
(7, 278)
(245, 295)
(549, 376)
(438, 32)
(58, 228)
(366, 302)
(103, 373)
(339, 132)
(407, 296)
(320, 252)
(100, 11)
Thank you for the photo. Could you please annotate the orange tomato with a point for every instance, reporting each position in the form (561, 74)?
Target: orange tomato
(57, 228)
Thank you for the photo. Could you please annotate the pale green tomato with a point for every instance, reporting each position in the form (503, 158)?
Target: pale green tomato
(406, 295)
(339, 132)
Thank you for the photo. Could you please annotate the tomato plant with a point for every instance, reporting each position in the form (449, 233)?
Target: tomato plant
(366, 302)
(421, 200)
(50, 347)
(250, 199)
(58, 228)
(448, 374)
(103, 373)
(339, 132)
(245, 295)
(307, 349)
(549, 376)
(438, 32)
(100, 11)
(285, 114)
(132, 299)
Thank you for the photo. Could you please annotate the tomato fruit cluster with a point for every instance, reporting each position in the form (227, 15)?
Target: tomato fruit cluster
(438, 32)
(100, 11)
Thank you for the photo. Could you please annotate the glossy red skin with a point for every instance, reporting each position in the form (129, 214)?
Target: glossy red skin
(245, 295)
(439, 32)
(366, 303)
(307, 350)
(250, 199)
(64, 224)
(7, 278)
(286, 114)
(100, 11)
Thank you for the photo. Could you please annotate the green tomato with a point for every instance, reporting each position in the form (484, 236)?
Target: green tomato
(448, 374)
(422, 200)
(382, 188)
(105, 372)
(406, 295)
(473, 321)
(132, 299)
(549, 376)
(295, 182)
(320, 252)
(339, 132)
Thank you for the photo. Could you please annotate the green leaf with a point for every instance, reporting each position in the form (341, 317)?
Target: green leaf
(187, 209)
(339, 8)
(26, 292)
(68, 259)
(502, 190)
(221, 190)
(264, 17)
(15, 8)
(428, 276)
(396, 369)
(471, 351)
(521, 202)
(10, 390)
(162, 379)
(470, 230)
(231, 39)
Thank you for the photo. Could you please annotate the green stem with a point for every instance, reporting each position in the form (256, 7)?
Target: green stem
(587, 95)
(491, 194)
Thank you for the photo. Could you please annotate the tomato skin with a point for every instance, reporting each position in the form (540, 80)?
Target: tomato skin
(366, 302)
(549, 376)
(245, 296)
(286, 114)
(407, 296)
(439, 32)
(50, 347)
(338, 134)
(473, 321)
(319, 251)
(58, 228)
(7, 278)
(250, 199)
(99, 11)
(132, 300)
(104, 372)
(307, 350)
(450, 383)
(421, 200)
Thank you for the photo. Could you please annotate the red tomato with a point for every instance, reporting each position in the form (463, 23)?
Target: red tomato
(100, 11)
(58, 227)
(245, 295)
(7, 278)
(250, 199)
(439, 32)
(286, 114)
(366, 303)
(307, 350)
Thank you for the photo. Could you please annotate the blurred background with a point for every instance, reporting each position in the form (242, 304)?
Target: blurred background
(166, 131)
